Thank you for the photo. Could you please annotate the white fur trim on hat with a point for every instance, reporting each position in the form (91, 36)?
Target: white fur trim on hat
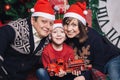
(57, 25)
(43, 14)
(75, 15)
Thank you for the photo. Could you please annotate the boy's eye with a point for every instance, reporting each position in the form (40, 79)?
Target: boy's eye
(62, 31)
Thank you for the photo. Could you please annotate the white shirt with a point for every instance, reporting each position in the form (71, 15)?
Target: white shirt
(37, 39)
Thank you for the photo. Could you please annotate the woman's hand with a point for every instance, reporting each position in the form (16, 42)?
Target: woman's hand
(79, 78)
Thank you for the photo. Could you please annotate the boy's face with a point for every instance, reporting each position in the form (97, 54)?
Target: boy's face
(58, 36)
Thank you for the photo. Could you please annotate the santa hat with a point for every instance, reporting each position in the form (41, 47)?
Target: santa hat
(57, 24)
(43, 8)
(77, 10)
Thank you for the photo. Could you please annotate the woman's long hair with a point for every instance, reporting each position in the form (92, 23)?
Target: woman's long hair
(78, 41)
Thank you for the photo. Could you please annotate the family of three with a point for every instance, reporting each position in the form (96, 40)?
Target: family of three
(102, 55)
(24, 41)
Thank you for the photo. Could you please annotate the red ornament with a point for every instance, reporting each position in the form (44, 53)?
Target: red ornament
(7, 7)
(59, 5)
(61, 11)
(28, 10)
(1, 24)
(22, 1)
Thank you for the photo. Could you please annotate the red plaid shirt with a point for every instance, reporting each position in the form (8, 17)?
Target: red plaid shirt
(97, 75)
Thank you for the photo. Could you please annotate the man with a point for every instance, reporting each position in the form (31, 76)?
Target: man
(22, 41)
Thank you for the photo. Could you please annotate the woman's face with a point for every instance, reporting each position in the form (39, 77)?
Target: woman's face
(72, 28)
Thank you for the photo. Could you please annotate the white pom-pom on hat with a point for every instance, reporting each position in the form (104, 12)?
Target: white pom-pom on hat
(56, 8)
(85, 12)
(32, 10)
(43, 8)
(67, 6)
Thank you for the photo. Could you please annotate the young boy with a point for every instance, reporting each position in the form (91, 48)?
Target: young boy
(55, 50)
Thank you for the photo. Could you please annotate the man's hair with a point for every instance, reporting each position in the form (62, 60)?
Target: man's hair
(35, 17)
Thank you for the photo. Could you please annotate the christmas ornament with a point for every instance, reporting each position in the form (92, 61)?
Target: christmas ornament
(7, 7)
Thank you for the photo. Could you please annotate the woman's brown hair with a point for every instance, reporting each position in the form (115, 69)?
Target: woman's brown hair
(82, 36)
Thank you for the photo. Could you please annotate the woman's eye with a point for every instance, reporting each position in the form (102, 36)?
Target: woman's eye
(74, 24)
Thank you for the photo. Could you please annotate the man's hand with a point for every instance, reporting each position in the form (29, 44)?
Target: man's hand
(61, 73)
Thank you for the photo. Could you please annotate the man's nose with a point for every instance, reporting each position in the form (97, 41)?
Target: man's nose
(48, 25)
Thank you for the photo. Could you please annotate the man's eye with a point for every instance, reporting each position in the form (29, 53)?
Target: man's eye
(51, 23)
(44, 21)
(54, 32)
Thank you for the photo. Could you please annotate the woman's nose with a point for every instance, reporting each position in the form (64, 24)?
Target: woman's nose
(69, 27)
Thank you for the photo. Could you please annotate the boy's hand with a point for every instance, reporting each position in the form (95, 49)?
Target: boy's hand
(76, 72)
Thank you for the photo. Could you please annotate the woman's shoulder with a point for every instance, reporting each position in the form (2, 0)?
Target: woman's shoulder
(67, 47)
(94, 33)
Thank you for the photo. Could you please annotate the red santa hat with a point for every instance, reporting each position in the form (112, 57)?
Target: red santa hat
(77, 10)
(57, 24)
(43, 8)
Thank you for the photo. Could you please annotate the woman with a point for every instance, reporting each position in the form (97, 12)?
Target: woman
(103, 56)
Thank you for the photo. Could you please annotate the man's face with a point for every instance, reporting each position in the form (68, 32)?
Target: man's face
(42, 25)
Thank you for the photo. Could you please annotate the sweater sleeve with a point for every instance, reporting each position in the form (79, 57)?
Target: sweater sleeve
(6, 38)
(97, 51)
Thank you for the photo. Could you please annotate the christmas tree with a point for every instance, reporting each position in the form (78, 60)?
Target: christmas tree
(14, 9)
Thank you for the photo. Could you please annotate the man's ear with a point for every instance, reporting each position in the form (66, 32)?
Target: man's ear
(49, 36)
(32, 20)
